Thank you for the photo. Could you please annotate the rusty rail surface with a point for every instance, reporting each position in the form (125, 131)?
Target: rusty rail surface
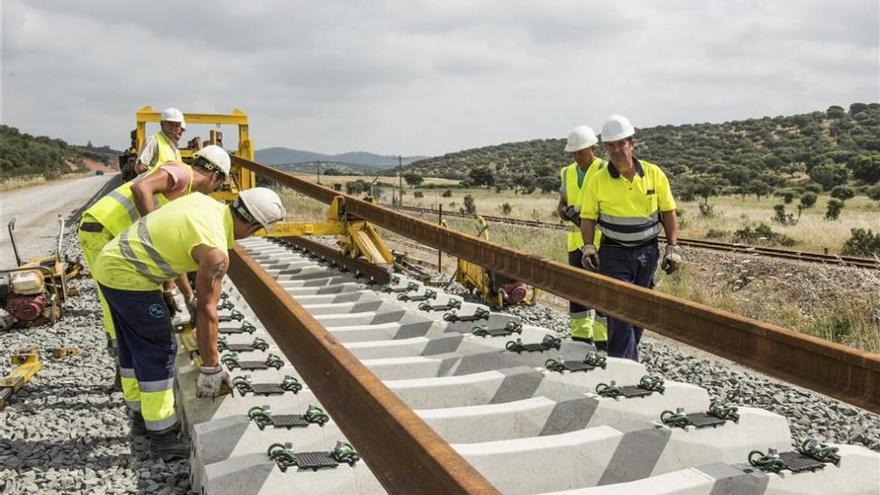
(378, 274)
(404, 453)
(772, 252)
(833, 369)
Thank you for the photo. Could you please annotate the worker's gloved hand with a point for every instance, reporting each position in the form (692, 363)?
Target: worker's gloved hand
(173, 307)
(590, 258)
(191, 308)
(672, 259)
(571, 214)
(212, 382)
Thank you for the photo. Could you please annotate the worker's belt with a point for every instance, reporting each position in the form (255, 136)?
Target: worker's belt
(91, 227)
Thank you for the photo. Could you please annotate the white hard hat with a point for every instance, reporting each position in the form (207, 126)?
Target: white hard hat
(262, 204)
(617, 127)
(579, 138)
(216, 156)
(172, 114)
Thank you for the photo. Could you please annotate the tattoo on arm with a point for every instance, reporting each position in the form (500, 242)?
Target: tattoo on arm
(217, 272)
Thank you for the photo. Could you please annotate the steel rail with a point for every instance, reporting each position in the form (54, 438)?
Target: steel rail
(832, 369)
(699, 243)
(375, 272)
(404, 453)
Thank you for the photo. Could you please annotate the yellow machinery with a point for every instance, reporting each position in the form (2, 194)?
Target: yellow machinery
(496, 290)
(28, 361)
(239, 178)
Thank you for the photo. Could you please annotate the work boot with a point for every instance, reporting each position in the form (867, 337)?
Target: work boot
(585, 340)
(602, 346)
(169, 444)
(138, 427)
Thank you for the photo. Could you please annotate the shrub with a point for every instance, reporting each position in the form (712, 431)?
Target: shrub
(419, 194)
(469, 208)
(813, 187)
(842, 193)
(337, 186)
(874, 193)
(716, 234)
(862, 243)
(505, 208)
(447, 193)
(808, 200)
(781, 217)
(835, 206)
(762, 234)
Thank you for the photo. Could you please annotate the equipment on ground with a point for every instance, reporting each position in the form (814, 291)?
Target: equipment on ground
(496, 290)
(35, 291)
(617, 127)
(28, 361)
(581, 137)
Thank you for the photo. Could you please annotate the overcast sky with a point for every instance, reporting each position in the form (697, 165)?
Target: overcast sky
(418, 77)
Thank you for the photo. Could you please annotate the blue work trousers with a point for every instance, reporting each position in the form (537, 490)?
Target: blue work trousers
(147, 350)
(635, 265)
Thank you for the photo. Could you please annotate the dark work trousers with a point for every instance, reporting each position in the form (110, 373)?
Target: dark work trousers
(146, 353)
(635, 265)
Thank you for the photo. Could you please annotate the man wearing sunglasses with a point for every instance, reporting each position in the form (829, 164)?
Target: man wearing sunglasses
(127, 203)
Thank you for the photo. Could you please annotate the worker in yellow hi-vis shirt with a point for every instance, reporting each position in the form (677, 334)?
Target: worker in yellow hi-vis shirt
(189, 234)
(628, 201)
(119, 208)
(584, 324)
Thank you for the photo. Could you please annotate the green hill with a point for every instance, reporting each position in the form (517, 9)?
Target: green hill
(831, 147)
(24, 155)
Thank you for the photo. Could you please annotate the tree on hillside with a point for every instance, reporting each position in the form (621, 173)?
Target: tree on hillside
(413, 179)
(333, 171)
(759, 188)
(547, 183)
(829, 175)
(836, 112)
(482, 176)
(866, 167)
(808, 200)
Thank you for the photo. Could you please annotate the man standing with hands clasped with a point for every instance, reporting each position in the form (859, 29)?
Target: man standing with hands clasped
(628, 201)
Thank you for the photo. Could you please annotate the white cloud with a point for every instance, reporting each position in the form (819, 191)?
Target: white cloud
(426, 77)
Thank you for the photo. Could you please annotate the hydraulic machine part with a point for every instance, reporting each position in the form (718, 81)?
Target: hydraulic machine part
(496, 289)
(28, 364)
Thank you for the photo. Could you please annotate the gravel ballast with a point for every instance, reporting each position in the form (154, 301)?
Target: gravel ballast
(67, 431)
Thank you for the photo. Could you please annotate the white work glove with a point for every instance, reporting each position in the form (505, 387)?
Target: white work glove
(211, 382)
(590, 258)
(672, 259)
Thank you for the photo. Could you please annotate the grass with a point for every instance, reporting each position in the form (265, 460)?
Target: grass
(812, 299)
(12, 183)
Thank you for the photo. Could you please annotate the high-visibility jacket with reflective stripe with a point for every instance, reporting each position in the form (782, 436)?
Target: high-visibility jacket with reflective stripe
(627, 212)
(573, 192)
(165, 151)
(158, 247)
(116, 210)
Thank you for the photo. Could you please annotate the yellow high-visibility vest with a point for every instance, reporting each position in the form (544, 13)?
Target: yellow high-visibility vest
(116, 210)
(158, 247)
(574, 197)
(165, 151)
(628, 211)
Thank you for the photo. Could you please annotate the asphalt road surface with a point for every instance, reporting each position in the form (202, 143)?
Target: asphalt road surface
(36, 211)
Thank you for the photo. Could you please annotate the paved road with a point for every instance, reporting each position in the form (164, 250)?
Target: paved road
(36, 211)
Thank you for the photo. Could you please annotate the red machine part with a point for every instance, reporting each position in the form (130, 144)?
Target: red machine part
(26, 308)
(515, 292)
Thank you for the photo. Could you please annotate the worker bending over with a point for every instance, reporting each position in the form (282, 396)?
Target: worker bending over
(192, 233)
(117, 210)
(628, 200)
(584, 324)
(163, 146)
